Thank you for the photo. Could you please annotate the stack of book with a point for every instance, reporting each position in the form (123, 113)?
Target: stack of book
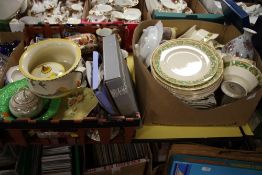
(105, 159)
(7, 161)
(56, 161)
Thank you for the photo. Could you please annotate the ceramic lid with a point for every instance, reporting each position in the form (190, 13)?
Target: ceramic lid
(25, 104)
(48, 70)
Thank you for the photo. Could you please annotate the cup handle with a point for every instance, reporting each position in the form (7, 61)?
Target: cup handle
(80, 70)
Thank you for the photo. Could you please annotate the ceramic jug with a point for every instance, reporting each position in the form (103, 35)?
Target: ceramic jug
(241, 46)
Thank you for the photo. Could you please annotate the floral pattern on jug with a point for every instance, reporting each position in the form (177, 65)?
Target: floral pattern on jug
(241, 46)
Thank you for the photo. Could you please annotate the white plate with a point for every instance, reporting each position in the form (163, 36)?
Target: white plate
(132, 14)
(185, 63)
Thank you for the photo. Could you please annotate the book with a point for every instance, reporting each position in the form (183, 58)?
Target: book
(117, 78)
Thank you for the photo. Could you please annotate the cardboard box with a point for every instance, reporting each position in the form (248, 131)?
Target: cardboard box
(200, 13)
(158, 106)
(9, 37)
(195, 5)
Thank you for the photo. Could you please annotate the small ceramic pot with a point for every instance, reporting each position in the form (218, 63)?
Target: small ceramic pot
(25, 104)
(62, 51)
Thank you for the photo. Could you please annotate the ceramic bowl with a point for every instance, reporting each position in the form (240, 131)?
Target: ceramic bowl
(62, 51)
(240, 78)
(9, 9)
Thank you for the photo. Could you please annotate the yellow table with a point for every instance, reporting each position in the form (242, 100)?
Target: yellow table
(186, 132)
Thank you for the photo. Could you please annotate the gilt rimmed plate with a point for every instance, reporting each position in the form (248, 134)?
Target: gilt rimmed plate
(185, 62)
(212, 81)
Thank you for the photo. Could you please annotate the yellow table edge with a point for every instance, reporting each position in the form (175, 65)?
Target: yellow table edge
(247, 130)
(179, 132)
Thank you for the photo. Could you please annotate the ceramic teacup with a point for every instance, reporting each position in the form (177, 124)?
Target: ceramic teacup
(240, 78)
(13, 74)
(86, 41)
(48, 54)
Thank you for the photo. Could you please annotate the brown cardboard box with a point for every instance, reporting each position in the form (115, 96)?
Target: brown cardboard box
(195, 5)
(157, 105)
(9, 37)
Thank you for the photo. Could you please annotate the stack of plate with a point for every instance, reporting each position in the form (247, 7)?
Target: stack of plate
(189, 69)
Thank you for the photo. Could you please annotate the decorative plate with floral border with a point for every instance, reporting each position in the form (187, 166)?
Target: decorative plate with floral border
(213, 80)
(185, 62)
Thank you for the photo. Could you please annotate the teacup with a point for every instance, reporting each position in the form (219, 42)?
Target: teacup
(13, 74)
(86, 41)
(59, 51)
(240, 78)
